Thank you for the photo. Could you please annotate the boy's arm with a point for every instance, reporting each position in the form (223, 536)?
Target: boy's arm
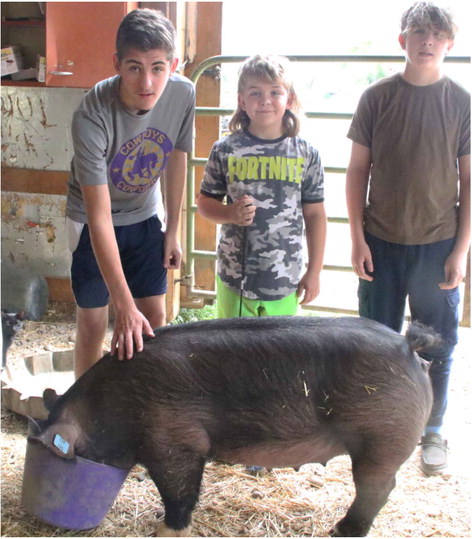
(174, 182)
(241, 212)
(456, 263)
(314, 216)
(357, 181)
(130, 324)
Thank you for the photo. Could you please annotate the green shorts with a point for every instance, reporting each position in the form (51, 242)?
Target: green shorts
(228, 302)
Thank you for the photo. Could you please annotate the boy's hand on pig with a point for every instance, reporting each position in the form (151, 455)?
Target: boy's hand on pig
(130, 326)
(243, 211)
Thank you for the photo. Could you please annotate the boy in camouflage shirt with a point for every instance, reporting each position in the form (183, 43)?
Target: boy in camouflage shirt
(272, 181)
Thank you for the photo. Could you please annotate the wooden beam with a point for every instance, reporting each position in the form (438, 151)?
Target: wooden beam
(25, 180)
(60, 289)
(191, 31)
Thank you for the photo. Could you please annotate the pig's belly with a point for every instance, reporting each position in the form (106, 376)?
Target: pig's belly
(278, 454)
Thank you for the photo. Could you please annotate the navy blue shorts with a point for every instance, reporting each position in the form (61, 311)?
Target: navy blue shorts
(141, 249)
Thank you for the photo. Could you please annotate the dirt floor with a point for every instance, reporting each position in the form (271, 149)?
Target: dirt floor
(278, 504)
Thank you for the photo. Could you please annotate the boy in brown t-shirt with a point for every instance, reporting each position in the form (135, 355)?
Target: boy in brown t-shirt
(408, 197)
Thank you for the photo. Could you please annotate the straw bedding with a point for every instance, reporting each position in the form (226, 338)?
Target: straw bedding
(280, 503)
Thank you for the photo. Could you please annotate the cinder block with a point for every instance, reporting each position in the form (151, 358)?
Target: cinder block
(39, 363)
(63, 360)
(30, 407)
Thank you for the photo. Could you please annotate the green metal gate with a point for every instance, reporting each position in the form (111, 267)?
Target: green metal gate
(191, 253)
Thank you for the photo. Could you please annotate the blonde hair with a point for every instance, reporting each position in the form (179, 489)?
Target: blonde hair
(268, 69)
(427, 14)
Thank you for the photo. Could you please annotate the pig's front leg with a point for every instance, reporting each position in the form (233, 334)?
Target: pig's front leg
(178, 481)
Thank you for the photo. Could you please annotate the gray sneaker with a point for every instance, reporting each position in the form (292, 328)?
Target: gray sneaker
(256, 471)
(433, 454)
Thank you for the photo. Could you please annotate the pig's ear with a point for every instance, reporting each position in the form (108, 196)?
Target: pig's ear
(60, 438)
(49, 398)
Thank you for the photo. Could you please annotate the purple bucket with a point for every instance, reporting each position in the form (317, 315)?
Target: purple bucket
(68, 493)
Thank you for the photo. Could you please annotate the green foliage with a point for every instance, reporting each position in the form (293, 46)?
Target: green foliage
(193, 315)
(379, 73)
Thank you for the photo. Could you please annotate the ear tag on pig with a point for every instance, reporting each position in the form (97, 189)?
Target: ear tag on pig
(61, 444)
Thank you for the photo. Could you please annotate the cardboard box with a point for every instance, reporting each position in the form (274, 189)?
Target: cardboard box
(12, 60)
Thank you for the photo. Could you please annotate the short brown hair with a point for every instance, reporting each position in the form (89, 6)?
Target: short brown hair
(145, 29)
(427, 14)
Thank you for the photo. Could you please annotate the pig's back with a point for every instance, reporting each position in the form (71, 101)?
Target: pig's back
(269, 357)
(299, 359)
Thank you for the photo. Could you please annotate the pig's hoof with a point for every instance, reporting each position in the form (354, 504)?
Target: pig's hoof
(164, 531)
(333, 532)
(338, 531)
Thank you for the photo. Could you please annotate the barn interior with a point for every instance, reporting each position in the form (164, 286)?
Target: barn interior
(65, 48)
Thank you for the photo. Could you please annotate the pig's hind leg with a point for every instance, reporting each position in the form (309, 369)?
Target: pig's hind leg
(372, 490)
(375, 462)
(178, 480)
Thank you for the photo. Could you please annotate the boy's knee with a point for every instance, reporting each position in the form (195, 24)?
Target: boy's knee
(157, 319)
(92, 321)
(153, 309)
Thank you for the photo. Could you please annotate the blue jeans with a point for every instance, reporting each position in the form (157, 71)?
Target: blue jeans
(414, 272)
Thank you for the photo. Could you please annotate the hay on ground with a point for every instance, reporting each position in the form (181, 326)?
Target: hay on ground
(282, 503)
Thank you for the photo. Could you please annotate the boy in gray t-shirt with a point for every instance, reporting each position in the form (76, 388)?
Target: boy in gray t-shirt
(126, 132)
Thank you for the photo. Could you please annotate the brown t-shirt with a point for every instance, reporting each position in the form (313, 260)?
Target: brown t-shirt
(416, 134)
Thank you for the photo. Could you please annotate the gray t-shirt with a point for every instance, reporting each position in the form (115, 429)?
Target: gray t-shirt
(125, 150)
(280, 175)
(416, 134)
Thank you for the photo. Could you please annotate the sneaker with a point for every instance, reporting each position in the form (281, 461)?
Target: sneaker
(256, 471)
(433, 454)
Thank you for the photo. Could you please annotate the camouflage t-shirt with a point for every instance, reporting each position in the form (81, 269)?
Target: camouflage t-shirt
(280, 175)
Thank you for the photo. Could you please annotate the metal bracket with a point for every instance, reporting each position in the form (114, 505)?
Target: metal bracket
(185, 280)
(213, 72)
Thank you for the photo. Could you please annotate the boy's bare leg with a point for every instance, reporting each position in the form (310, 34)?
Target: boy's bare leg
(92, 326)
(91, 330)
(154, 309)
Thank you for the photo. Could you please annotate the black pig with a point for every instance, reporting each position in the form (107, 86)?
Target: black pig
(272, 392)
